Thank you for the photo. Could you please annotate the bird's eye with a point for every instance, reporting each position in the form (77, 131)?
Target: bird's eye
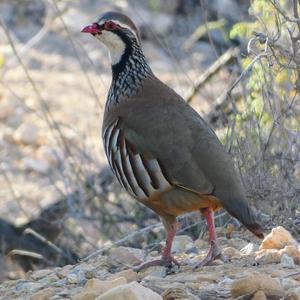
(110, 25)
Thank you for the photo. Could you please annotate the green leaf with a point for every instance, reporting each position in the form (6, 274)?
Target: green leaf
(1, 60)
(241, 29)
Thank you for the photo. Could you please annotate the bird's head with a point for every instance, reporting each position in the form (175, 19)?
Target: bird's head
(116, 31)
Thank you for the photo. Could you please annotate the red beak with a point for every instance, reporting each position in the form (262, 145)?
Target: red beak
(93, 28)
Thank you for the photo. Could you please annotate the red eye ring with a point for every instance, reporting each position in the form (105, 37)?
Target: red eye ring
(110, 25)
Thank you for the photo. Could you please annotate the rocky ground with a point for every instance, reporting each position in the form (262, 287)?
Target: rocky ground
(254, 270)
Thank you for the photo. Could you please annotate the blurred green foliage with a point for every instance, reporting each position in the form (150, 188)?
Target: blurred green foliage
(1, 60)
(268, 120)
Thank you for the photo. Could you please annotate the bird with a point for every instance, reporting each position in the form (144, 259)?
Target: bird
(160, 149)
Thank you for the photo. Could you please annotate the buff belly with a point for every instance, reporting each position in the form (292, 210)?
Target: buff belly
(178, 201)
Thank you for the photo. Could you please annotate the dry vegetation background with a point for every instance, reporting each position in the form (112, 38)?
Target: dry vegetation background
(236, 62)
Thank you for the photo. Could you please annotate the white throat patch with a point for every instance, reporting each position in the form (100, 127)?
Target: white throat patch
(114, 44)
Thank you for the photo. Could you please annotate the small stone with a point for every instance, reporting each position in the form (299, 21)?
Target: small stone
(125, 256)
(27, 134)
(36, 165)
(194, 277)
(231, 252)
(130, 291)
(128, 274)
(249, 249)
(157, 271)
(293, 294)
(49, 154)
(63, 272)
(226, 281)
(95, 287)
(44, 294)
(269, 256)
(40, 274)
(236, 243)
(289, 283)
(287, 262)
(252, 283)
(201, 244)
(28, 286)
(229, 230)
(6, 109)
(182, 243)
(217, 262)
(174, 293)
(76, 276)
(292, 251)
(259, 295)
(7, 135)
(277, 239)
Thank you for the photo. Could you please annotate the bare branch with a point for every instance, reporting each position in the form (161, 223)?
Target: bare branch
(212, 70)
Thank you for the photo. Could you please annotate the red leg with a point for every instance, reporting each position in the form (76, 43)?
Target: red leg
(214, 251)
(166, 259)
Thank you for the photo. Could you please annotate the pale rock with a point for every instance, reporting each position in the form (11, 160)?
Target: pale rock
(175, 293)
(249, 249)
(182, 243)
(157, 271)
(289, 283)
(27, 134)
(128, 274)
(287, 262)
(125, 256)
(259, 295)
(293, 294)
(43, 294)
(236, 243)
(88, 270)
(7, 108)
(76, 276)
(269, 256)
(40, 274)
(201, 244)
(292, 251)
(217, 262)
(277, 239)
(194, 277)
(130, 291)
(63, 272)
(7, 134)
(226, 281)
(231, 252)
(252, 283)
(28, 286)
(35, 165)
(49, 154)
(95, 287)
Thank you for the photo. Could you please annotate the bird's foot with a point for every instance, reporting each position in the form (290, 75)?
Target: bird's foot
(165, 261)
(213, 253)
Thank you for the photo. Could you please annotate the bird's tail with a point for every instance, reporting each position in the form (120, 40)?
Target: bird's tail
(246, 216)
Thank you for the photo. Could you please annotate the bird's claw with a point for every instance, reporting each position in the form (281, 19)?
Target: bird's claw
(213, 253)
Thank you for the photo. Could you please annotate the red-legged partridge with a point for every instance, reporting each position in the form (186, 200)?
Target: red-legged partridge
(160, 149)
